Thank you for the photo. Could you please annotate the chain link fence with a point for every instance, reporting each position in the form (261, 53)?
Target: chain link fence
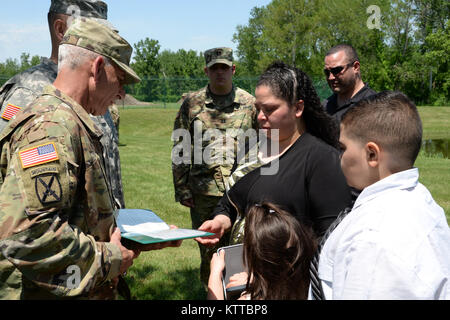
(172, 89)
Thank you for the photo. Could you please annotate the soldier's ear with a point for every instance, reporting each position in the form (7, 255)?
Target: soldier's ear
(59, 28)
(98, 67)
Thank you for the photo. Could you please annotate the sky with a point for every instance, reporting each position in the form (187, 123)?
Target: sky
(176, 24)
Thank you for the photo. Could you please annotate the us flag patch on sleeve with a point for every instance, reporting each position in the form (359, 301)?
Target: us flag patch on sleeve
(10, 111)
(38, 155)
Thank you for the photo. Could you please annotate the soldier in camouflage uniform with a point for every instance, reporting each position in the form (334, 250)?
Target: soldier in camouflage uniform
(115, 115)
(56, 206)
(23, 88)
(219, 106)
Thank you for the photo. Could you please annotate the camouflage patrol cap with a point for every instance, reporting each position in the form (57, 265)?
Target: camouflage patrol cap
(80, 8)
(92, 9)
(91, 35)
(219, 55)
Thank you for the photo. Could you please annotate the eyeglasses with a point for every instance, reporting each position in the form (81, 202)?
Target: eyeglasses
(336, 70)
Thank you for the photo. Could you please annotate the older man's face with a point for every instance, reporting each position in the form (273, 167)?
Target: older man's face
(109, 89)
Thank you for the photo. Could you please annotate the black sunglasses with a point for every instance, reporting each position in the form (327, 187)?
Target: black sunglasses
(336, 70)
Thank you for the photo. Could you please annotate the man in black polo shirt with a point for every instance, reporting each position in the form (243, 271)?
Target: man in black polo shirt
(342, 70)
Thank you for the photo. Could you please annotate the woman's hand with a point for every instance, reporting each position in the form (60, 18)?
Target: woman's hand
(218, 226)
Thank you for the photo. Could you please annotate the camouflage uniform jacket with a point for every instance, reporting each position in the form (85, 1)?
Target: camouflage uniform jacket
(25, 87)
(56, 208)
(231, 116)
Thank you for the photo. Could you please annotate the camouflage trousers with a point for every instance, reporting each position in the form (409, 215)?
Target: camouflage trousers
(204, 206)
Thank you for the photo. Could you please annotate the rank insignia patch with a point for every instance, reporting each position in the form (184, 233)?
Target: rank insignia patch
(38, 155)
(10, 111)
(48, 189)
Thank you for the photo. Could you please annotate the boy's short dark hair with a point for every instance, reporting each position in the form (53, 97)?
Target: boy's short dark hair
(391, 120)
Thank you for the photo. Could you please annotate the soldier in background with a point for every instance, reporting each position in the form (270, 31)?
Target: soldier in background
(58, 237)
(23, 88)
(115, 117)
(220, 105)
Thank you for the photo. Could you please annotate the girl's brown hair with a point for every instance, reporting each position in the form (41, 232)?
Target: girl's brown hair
(278, 251)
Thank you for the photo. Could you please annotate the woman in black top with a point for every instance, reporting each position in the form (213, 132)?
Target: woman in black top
(309, 182)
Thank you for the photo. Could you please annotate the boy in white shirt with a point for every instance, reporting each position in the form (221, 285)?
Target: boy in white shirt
(395, 243)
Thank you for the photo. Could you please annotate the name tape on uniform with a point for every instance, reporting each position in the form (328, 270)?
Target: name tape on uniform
(38, 155)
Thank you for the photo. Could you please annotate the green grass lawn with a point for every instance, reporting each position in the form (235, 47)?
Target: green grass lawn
(173, 273)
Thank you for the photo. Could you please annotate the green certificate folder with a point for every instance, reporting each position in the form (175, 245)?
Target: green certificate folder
(145, 227)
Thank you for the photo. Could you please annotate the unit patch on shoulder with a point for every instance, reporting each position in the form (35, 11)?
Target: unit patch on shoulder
(38, 155)
(10, 111)
(48, 188)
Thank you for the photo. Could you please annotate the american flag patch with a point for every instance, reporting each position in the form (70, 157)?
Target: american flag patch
(38, 155)
(10, 111)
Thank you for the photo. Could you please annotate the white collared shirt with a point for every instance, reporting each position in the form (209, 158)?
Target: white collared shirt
(394, 244)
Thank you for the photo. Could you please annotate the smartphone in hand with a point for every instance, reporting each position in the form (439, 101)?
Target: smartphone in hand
(234, 263)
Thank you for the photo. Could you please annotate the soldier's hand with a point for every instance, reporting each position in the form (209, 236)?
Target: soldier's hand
(188, 203)
(218, 226)
(127, 255)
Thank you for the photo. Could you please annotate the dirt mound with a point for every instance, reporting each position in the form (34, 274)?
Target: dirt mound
(132, 101)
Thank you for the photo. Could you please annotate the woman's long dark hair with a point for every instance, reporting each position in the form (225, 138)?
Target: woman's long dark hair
(278, 251)
(292, 84)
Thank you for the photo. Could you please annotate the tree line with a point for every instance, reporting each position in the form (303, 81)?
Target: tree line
(402, 45)
(11, 67)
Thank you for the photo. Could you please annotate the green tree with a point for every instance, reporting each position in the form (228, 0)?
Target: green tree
(147, 65)
(250, 43)
(406, 51)
(346, 21)
(300, 32)
(437, 57)
(182, 63)
(431, 16)
(182, 72)
(11, 67)
(165, 75)
(413, 55)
